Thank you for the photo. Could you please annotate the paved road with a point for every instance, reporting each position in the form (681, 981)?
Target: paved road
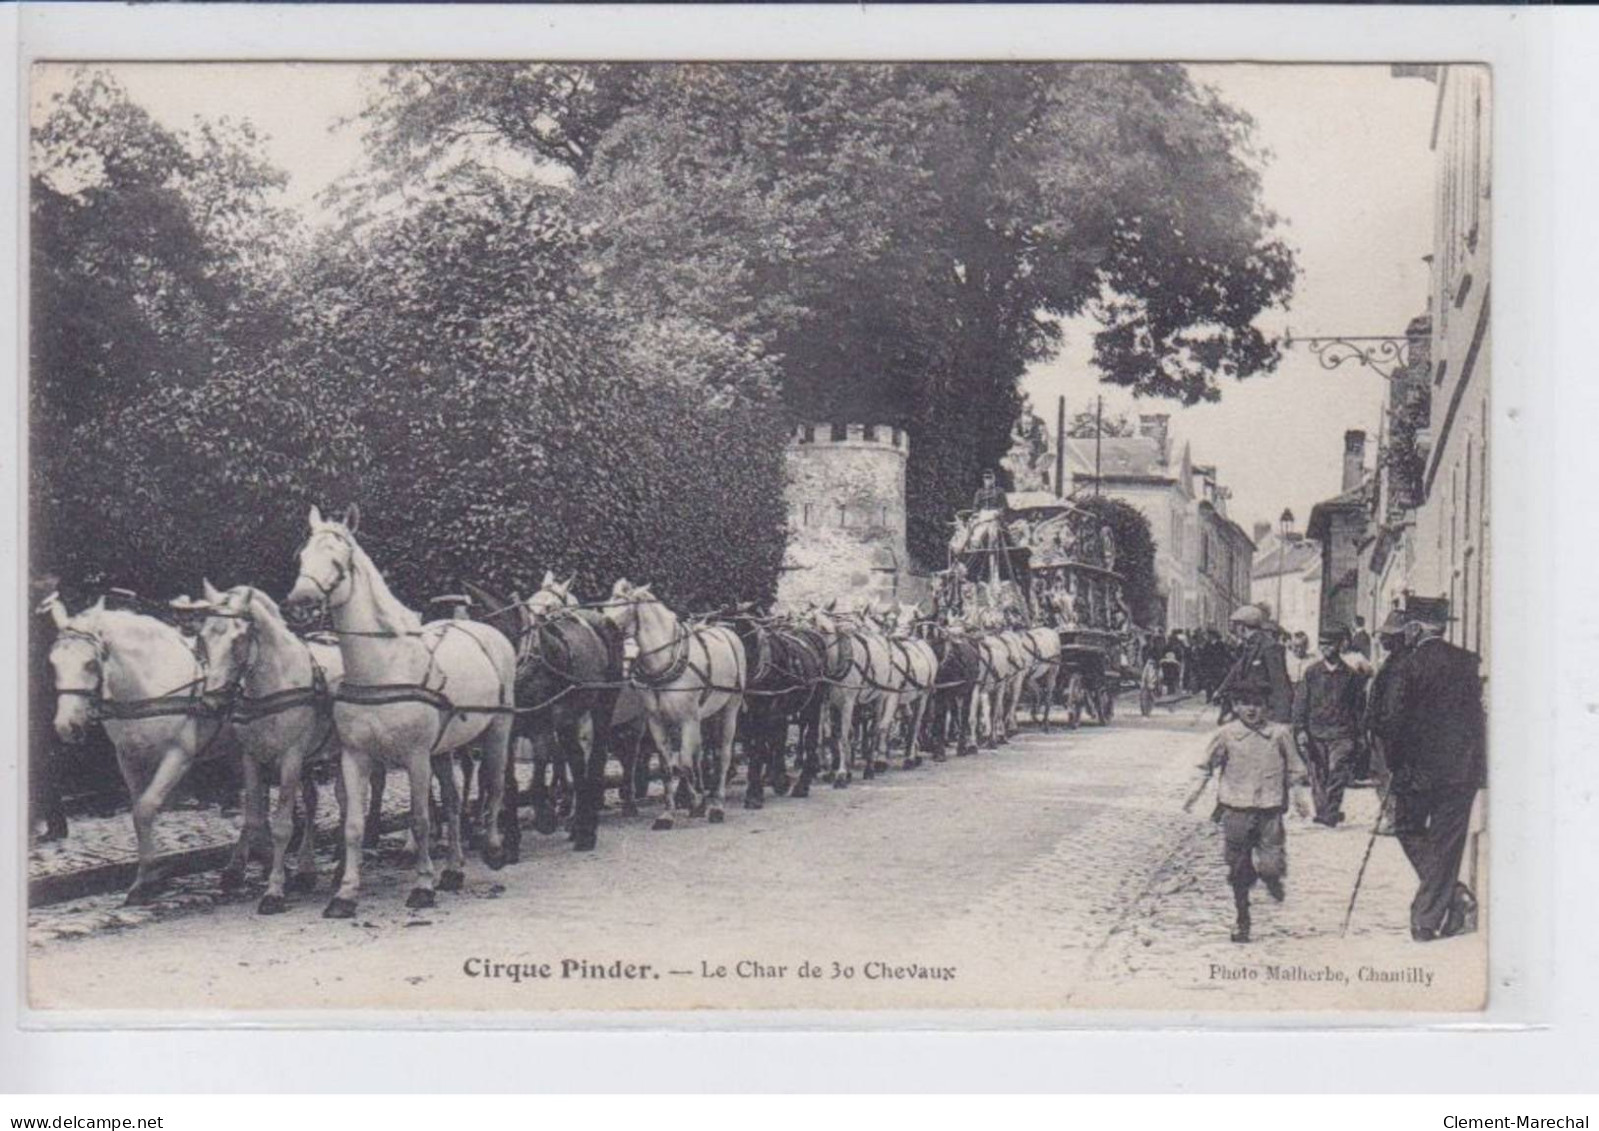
(1057, 873)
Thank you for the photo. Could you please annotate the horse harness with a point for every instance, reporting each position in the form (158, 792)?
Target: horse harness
(187, 700)
(392, 694)
(682, 649)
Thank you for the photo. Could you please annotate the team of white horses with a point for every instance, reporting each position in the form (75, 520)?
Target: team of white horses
(393, 693)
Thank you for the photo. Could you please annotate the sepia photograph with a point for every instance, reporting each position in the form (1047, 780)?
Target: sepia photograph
(545, 538)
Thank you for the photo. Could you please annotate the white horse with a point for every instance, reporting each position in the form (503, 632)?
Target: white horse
(917, 666)
(1003, 664)
(140, 678)
(411, 692)
(281, 720)
(684, 678)
(857, 671)
(1042, 646)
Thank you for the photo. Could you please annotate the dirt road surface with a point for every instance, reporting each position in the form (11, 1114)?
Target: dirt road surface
(1057, 874)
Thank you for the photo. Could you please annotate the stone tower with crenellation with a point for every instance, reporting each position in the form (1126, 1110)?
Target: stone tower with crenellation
(846, 514)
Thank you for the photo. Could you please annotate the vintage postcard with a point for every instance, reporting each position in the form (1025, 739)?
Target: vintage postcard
(545, 537)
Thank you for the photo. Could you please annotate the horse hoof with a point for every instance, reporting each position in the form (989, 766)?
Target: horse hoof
(754, 803)
(584, 842)
(232, 879)
(420, 898)
(301, 882)
(940, 757)
(139, 895)
(494, 857)
(715, 816)
(662, 824)
(840, 783)
(802, 790)
(451, 880)
(339, 908)
(782, 786)
(629, 809)
(545, 822)
(271, 905)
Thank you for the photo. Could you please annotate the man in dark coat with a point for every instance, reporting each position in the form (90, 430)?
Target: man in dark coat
(1360, 639)
(44, 770)
(1328, 705)
(1434, 737)
(1379, 698)
(1262, 657)
(989, 497)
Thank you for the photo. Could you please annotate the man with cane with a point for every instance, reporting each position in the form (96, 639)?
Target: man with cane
(1434, 737)
(1256, 764)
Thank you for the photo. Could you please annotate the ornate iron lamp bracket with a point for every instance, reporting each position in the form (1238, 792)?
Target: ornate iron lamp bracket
(1387, 356)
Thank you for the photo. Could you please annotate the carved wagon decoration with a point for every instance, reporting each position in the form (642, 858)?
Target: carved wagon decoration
(1057, 561)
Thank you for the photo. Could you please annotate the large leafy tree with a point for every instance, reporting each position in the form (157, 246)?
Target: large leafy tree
(515, 424)
(156, 260)
(1135, 556)
(903, 239)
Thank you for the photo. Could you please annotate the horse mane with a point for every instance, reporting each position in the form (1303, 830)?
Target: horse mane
(391, 613)
(264, 599)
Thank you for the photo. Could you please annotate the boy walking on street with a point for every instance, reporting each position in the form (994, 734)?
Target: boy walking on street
(1257, 765)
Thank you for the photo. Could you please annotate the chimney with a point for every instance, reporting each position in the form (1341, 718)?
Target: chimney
(1262, 532)
(1354, 458)
(1155, 427)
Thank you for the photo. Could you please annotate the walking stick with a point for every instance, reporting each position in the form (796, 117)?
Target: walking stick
(1188, 806)
(1371, 842)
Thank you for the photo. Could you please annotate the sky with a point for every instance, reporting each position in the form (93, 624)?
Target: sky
(1351, 175)
(1349, 171)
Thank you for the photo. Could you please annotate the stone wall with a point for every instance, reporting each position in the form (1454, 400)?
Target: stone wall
(846, 515)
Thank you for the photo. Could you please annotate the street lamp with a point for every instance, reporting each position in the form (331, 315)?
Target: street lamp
(1285, 523)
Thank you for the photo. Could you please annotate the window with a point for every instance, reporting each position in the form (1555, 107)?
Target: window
(805, 514)
(1468, 489)
(807, 433)
(869, 432)
(840, 431)
(1454, 516)
(841, 515)
(1465, 603)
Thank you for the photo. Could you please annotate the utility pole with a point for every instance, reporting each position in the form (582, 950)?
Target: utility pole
(1060, 447)
(1099, 432)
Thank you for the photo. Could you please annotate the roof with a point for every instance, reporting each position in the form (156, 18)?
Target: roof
(1225, 524)
(1321, 514)
(1295, 557)
(1120, 457)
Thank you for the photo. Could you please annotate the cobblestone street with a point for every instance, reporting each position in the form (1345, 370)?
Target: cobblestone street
(1060, 873)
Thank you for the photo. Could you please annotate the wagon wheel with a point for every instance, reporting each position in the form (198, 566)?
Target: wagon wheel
(1107, 705)
(1075, 697)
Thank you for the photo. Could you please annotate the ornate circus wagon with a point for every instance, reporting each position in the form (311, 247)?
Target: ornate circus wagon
(1056, 563)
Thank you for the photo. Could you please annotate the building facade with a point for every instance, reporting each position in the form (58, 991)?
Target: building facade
(1431, 497)
(1452, 531)
(1287, 573)
(1226, 559)
(1202, 558)
(1339, 526)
